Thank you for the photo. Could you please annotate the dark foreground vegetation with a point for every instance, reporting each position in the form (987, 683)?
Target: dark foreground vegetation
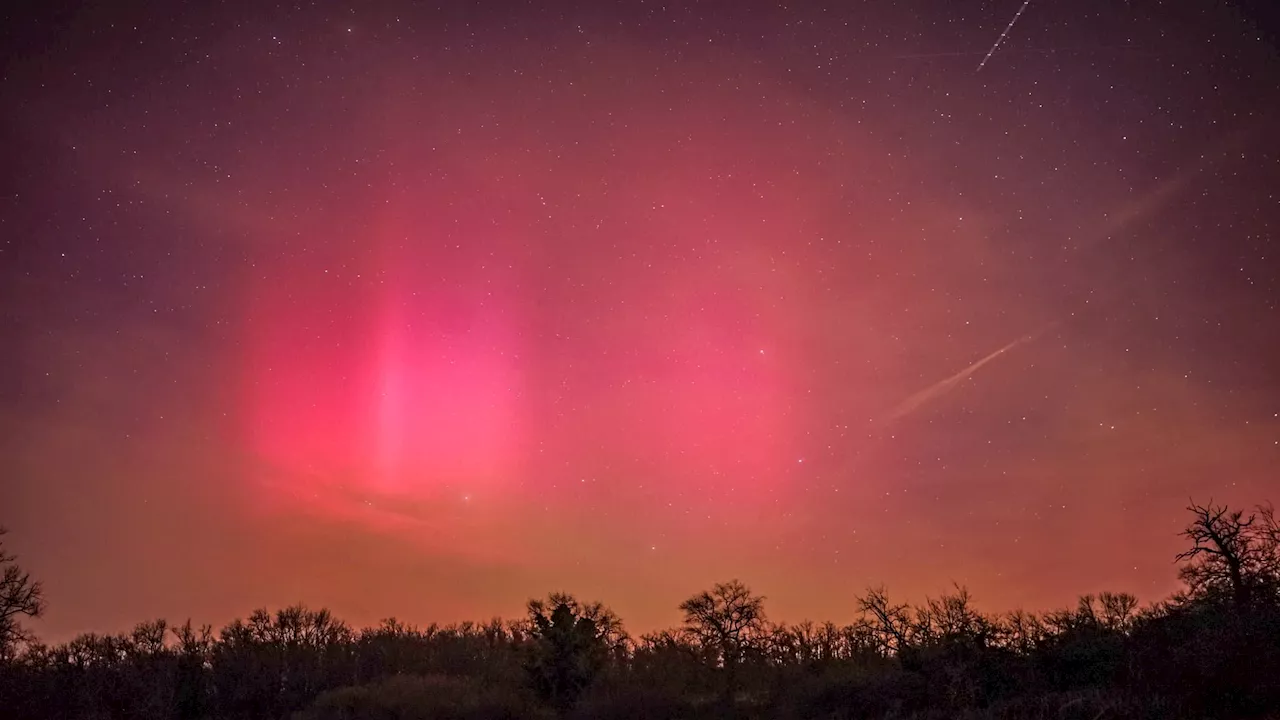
(1211, 651)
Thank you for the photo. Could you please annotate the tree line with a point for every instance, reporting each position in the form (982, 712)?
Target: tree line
(1210, 650)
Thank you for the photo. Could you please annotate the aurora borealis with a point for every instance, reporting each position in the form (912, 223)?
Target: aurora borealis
(420, 312)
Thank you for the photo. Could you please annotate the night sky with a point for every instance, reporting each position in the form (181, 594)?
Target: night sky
(424, 311)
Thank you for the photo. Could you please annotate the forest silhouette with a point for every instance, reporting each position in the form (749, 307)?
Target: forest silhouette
(1212, 650)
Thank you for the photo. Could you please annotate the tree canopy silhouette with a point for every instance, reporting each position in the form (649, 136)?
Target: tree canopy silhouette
(1212, 650)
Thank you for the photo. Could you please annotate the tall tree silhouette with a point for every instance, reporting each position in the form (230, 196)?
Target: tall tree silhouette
(726, 621)
(20, 597)
(571, 643)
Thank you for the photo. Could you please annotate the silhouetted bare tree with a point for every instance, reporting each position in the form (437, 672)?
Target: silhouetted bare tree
(1233, 554)
(951, 619)
(725, 621)
(890, 624)
(20, 597)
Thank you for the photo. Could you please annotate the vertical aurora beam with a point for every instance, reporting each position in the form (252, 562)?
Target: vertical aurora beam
(389, 426)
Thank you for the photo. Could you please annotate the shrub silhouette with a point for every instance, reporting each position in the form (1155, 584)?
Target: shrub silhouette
(407, 697)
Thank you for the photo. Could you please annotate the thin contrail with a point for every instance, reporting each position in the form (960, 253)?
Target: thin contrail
(1000, 39)
(938, 389)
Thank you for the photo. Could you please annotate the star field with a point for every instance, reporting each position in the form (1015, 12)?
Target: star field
(423, 311)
